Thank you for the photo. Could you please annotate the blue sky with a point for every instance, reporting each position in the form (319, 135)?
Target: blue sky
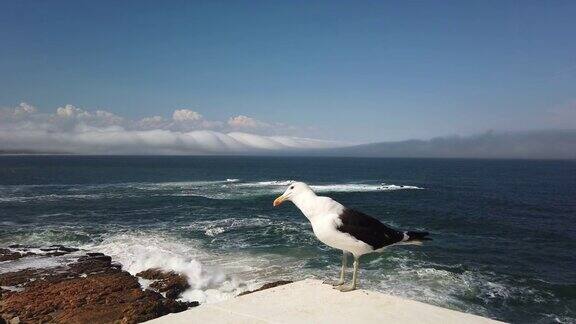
(354, 71)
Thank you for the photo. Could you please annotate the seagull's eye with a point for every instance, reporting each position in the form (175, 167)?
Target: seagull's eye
(292, 187)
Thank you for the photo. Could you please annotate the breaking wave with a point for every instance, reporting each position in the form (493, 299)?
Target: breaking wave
(141, 252)
(352, 187)
(213, 276)
(231, 188)
(338, 187)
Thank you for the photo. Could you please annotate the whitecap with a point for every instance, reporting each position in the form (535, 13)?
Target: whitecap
(331, 187)
(51, 197)
(214, 231)
(141, 252)
(213, 275)
(356, 187)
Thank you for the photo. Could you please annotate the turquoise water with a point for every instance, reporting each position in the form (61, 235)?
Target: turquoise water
(504, 231)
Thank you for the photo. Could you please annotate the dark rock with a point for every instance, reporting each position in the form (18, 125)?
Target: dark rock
(53, 250)
(59, 248)
(9, 255)
(169, 282)
(192, 304)
(92, 264)
(100, 298)
(152, 274)
(267, 286)
(56, 250)
(84, 266)
(92, 289)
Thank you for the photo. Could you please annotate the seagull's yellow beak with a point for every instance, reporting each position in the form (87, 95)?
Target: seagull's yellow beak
(278, 201)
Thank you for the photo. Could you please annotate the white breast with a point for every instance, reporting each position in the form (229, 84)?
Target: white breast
(323, 215)
(325, 228)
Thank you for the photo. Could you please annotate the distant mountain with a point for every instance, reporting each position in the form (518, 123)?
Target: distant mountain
(545, 144)
(31, 152)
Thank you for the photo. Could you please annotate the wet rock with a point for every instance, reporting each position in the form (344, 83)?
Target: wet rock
(94, 263)
(152, 274)
(169, 282)
(91, 289)
(56, 250)
(9, 255)
(85, 265)
(18, 278)
(60, 248)
(100, 298)
(267, 286)
(17, 251)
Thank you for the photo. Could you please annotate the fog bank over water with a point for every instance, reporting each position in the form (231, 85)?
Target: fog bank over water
(543, 144)
(73, 130)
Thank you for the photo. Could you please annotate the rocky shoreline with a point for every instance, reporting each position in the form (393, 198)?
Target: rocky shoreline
(59, 284)
(82, 288)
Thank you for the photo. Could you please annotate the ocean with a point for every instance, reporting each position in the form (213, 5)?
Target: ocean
(504, 230)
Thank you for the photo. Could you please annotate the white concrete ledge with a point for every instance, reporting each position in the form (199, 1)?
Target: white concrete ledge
(310, 301)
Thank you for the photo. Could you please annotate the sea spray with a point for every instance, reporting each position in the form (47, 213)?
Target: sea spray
(139, 252)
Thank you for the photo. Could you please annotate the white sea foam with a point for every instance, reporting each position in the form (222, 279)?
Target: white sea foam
(408, 276)
(230, 223)
(271, 183)
(214, 231)
(185, 184)
(218, 274)
(241, 232)
(231, 188)
(278, 185)
(51, 197)
(36, 262)
(215, 196)
(209, 283)
(213, 276)
(357, 187)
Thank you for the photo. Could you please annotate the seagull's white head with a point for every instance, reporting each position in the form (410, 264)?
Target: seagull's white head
(294, 190)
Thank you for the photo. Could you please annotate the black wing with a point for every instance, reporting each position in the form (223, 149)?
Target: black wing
(368, 229)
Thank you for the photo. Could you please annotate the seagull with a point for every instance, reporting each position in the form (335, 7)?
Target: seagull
(345, 229)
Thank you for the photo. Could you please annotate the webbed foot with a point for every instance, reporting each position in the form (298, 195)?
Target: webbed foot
(345, 288)
(333, 284)
(338, 285)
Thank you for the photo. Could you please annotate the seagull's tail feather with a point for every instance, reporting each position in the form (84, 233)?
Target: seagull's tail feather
(417, 238)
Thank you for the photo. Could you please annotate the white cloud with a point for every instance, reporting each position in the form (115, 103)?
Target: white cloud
(24, 109)
(186, 115)
(211, 124)
(116, 140)
(152, 122)
(76, 130)
(69, 111)
(96, 118)
(18, 112)
(106, 117)
(242, 121)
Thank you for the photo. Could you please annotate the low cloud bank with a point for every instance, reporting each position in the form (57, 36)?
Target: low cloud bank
(544, 144)
(74, 130)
